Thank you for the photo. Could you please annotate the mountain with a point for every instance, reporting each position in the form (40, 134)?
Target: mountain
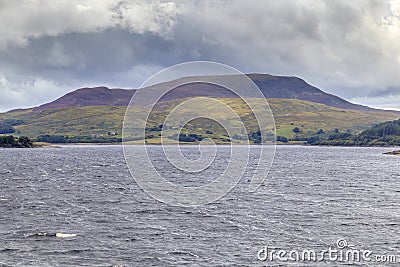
(96, 114)
(271, 87)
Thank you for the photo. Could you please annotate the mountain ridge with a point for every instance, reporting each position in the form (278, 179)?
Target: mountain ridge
(286, 87)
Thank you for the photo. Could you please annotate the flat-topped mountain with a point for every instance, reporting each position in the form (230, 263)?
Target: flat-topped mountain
(97, 114)
(271, 87)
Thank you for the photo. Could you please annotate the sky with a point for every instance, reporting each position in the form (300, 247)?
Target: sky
(347, 48)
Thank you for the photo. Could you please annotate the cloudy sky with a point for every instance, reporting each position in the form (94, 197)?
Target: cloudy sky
(48, 48)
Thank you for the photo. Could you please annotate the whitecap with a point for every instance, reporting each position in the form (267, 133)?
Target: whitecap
(61, 235)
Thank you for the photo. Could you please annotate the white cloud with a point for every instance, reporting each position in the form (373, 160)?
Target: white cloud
(25, 92)
(148, 16)
(395, 7)
(22, 20)
(382, 102)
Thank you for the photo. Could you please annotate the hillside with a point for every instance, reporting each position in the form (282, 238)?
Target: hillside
(103, 122)
(382, 134)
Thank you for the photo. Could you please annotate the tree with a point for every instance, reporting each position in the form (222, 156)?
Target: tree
(296, 130)
(25, 141)
(11, 141)
(52, 138)
(255, 137)
(6, 126)
(282, 139)
(312, 140)
(6, 129)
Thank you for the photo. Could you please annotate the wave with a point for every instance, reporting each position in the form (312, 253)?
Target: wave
(59, 235)
(186, 253)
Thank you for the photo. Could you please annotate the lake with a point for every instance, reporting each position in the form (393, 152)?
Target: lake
(313, 198)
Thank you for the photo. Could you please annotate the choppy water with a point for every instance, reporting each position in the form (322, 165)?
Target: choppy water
(313, 196)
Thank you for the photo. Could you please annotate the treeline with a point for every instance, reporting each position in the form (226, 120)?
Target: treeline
(383, 134)
(60, 139)
(6, 126)
(307, 137)
(389, 128)
(187, 137)
(356, 141)
(254, 137)
(11, 141)
(191, 137)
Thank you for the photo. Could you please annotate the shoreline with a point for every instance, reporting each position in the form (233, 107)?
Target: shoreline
(393, 153)
(58, 145)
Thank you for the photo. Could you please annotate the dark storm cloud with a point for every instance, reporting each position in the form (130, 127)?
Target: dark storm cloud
(391, 91)
(87, 56)
(344, 47)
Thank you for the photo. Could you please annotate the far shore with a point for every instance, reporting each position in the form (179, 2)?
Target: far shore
(59, 145)
(395, 153)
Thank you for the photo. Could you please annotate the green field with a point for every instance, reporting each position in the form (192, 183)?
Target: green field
(106, 121)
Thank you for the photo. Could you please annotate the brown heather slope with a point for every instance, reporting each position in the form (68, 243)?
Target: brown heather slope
(97, 96)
